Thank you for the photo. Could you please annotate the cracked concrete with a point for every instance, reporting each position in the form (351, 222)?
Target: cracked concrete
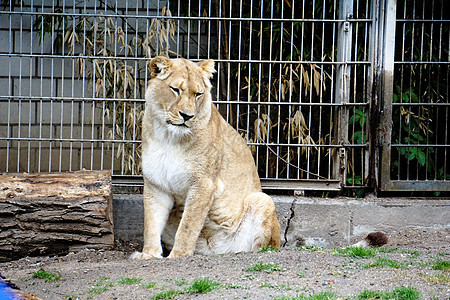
(288, 221)
(327, 222)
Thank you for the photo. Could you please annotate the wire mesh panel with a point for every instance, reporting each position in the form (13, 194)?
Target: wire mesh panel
(72, 81)
(280, 84)
(293, 78)
(418, 155)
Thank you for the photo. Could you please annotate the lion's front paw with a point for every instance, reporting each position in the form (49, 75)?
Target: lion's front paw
(145, 255)
(175, 254)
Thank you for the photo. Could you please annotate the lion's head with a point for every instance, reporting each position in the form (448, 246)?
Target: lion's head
(179, 93)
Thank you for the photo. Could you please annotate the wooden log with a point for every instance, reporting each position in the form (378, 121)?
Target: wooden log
(55, 213)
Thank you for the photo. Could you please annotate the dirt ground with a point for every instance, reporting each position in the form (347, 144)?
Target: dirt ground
(418, 259)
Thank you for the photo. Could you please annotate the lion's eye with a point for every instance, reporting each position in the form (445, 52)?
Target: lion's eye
(175, 90)
(198, 95)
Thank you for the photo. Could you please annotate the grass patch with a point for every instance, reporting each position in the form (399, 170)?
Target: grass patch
(382, 262)
(49, 277)
(267, 248)
(100, 287)
(357, 252)
(319, 296)
(440, 264)
(234, 286)
(310, 248)
(166, 294)
(181, 282)
(97, 290)
(436, 279)
(103, 284)
(276, 286)
(149, 285)
(202, 286)
(198, 286)
(401, 293)
(269, 268)
(248, 277)
(129, 281)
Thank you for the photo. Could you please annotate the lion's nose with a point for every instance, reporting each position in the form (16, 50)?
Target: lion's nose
(186, 117)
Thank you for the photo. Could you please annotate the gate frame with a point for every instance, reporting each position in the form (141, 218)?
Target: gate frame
(386, 52)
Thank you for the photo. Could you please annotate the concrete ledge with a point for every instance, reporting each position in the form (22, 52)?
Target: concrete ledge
(315, 221)
(340, 222)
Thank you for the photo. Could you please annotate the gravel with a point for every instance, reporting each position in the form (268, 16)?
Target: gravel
(409, 260)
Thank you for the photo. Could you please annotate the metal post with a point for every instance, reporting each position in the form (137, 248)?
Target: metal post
(342, 91)
(387, 36)
(373, 95)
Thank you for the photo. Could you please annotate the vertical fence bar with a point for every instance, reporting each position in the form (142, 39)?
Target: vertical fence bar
(261, 26)
(342, 89)
(30, 103)
(61, 92)
(41, 104)
(289, 132)
(72, 92)
(301, 89)
(332, 100)
(19, 108)
(372, 94)
(10, 91)
(94, 87)
(387, 36)
(239, 57)
(280, 95)
(228, 57)
(446, 92)
(248, 81)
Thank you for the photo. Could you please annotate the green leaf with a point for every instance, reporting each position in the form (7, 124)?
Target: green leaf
(395, 98)
(405, 97)
(412, 153)
(359, 137)
(421, 157)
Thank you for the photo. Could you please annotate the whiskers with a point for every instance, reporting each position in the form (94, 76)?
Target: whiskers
(173, 119)
(168, 129)
(178, 132)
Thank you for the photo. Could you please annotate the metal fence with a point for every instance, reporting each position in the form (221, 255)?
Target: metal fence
(296, 79)
(415, 136)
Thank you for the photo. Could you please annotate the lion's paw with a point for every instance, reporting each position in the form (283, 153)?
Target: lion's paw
(141, 255)
(176, 254)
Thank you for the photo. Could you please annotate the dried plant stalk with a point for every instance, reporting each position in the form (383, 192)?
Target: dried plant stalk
(113, 78)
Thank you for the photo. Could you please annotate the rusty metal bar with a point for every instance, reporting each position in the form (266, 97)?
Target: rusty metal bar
(342, 89)
(387, 36)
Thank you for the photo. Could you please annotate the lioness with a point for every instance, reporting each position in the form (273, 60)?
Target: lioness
(201, 189)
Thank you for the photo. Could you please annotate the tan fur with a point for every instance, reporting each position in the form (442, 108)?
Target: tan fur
(201, 189)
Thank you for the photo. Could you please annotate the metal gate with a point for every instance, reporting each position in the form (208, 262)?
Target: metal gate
(299, 80)
(415, 121)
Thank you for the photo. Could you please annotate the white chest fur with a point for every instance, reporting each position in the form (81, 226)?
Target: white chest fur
(165, 166)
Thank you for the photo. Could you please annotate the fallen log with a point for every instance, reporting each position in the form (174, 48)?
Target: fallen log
(55, 213)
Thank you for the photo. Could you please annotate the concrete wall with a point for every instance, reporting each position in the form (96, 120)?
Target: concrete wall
(322, 222)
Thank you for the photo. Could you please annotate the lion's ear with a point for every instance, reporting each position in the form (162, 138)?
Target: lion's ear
(160, 67)
(208, 67)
